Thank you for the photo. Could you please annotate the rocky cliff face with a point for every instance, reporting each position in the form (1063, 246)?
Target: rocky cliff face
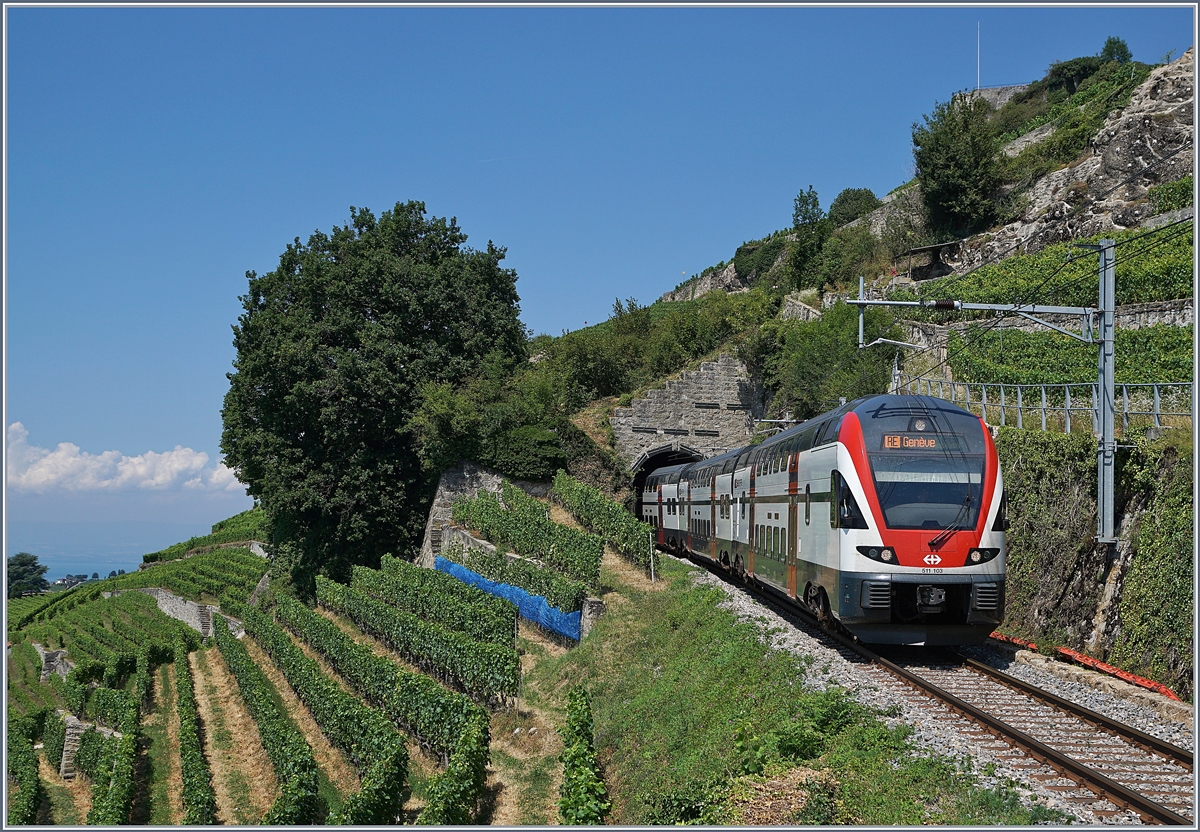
(1146, 143)
(725, 279)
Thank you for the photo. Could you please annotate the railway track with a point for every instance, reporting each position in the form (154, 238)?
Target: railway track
(1116, 772)
(1119, 765)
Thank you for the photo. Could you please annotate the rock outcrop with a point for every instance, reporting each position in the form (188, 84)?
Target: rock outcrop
(1144, 144)
(725, 279)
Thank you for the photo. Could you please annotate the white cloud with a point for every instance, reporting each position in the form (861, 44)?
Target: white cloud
(31, 468)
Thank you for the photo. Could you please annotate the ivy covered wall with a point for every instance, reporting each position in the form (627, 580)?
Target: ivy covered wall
(1132, 606)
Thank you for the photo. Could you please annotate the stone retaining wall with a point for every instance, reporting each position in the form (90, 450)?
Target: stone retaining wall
(710, 410)
(53, 661)
(463, 480)
(189, 612)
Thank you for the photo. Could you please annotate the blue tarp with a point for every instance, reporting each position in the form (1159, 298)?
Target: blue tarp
(533, 608)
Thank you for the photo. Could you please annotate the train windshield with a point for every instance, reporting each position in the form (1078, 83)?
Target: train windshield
(928, 466)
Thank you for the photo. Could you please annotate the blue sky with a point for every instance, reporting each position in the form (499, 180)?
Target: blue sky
(156, 155)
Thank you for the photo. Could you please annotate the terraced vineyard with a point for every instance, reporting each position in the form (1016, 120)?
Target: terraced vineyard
(408, 697)
(395, 679)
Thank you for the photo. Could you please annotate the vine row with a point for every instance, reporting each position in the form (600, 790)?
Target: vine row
(199, 799)
(447, 723)
(290, 755)
(523, 524)
(440, 599)
(367, 737)
(582, 796)
(558, 590)
(489, 671)
(624, 532)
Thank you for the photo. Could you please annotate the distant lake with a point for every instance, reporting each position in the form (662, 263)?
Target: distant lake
(87, 547)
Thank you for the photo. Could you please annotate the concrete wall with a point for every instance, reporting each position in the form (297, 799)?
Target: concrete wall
(711, 410)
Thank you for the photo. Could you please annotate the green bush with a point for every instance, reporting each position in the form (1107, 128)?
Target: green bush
(851, 204)
(958, 166)
(1157, 604)
(1171, 196)
(848, 254)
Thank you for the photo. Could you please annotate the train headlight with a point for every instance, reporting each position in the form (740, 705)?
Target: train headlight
(982, 555)
(884, 554)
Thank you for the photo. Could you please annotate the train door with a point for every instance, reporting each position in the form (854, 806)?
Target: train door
(662, 532)
(751, 520)
(791, 546)
(712, 518)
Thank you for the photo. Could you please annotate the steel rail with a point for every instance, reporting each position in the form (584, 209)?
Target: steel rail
(1147, 742)
(1092, 779)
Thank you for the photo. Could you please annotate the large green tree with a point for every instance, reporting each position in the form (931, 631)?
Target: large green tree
(957, 155)
(333, 350)
(25, 574)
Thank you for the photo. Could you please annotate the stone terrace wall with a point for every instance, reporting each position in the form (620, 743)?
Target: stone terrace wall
(710, 410)
(189, 612)
(463, 480)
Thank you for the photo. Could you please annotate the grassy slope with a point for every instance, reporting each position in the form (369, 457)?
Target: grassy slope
(683, 696)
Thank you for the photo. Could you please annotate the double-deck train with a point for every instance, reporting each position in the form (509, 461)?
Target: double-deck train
(886, 515)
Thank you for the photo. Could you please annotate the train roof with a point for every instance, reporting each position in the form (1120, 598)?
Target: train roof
(873, 405)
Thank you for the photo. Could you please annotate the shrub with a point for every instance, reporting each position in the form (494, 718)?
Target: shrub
(1171, 196)
(851, 204)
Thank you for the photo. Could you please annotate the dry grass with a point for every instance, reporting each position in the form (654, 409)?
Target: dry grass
(243, 778)
(593, 420)
(775, 801)
(80, 788)
(332, 761)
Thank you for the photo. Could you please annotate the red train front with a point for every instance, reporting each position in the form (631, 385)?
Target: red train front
(886, 514)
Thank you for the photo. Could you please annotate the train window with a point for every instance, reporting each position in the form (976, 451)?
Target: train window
(807, 504)
(804, 442)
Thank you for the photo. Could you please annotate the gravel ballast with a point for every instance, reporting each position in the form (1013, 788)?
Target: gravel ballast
(936, 731)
